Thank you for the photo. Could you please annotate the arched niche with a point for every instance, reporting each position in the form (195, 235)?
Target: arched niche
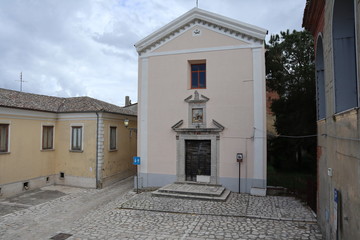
(344, 50)
(320, 80)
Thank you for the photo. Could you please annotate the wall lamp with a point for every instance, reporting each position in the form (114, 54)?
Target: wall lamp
(126, 124)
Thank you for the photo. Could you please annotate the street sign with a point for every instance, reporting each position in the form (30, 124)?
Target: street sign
(136, 160)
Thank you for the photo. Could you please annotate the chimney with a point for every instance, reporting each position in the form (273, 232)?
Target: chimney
(127, 101)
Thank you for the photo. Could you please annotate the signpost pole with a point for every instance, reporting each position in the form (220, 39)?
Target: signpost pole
(136, 162)
(137, 179)
(239, 159)
(239, 175)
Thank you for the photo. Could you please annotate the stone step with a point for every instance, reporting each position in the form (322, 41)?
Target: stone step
(193, 189)
(222, 197)
(198, 183)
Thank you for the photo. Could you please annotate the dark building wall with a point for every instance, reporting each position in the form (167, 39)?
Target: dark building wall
(339, 127)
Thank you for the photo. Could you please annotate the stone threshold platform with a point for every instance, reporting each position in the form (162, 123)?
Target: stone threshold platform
(193, 190)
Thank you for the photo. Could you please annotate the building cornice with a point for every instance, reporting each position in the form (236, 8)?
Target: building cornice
(218, 128)
(198, 17)
(313, 15)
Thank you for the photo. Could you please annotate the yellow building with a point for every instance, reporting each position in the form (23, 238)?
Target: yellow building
(77, 141)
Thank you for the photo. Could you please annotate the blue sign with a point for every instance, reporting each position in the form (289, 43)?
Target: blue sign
(136, 160)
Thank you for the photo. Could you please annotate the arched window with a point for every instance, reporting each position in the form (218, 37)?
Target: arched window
(344, 55)
(320, 79)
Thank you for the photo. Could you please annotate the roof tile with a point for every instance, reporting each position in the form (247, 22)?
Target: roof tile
(30, 101)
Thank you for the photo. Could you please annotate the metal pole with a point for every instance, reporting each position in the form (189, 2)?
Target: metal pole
(137, 179)
(239, 175)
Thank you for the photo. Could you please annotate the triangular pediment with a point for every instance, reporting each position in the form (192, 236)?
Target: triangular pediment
(197, 17)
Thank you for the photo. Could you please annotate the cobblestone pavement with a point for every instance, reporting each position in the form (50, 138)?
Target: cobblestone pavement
(240, 205)
(118, 213)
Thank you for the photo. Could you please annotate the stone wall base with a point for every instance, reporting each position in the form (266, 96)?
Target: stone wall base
(107, 181)
(160, 180)
(14, 188)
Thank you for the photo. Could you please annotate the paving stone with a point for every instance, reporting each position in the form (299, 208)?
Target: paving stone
(270, 207)
(119, 213)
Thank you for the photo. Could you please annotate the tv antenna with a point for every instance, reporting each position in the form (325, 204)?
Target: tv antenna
(197, 3)
(21, 81)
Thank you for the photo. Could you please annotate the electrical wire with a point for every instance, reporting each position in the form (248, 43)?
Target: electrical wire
(342, 138)
(294, 137)
(286, 136)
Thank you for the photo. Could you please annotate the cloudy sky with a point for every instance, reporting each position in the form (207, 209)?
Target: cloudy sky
(72, 48)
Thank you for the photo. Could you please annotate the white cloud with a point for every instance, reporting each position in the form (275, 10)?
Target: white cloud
(85, 47)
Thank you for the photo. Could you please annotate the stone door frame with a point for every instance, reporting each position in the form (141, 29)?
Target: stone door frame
(180, 152)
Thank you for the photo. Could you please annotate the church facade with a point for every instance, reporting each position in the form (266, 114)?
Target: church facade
(202, 111)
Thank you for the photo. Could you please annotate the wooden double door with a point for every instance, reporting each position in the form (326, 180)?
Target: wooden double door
(197, 158)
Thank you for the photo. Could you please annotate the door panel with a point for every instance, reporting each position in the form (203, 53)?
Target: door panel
(197, 158)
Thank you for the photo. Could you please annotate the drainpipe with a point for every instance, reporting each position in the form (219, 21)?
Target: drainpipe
(97, 149)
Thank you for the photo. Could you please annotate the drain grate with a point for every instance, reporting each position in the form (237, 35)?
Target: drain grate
(61, 236)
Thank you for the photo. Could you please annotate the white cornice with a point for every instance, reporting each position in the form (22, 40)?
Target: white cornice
(197, 50)
(16, 113)
(196, 16)
(30, 114)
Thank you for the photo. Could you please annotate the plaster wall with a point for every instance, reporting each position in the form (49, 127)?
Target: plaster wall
(229, 86)
(188, 41)
(339, 151)
(118, 163)
(230, 101)
(25, 159)
(341, 155)
(76, 163)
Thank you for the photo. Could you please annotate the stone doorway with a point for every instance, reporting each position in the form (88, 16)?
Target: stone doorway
(209, 139)
(197, 159)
